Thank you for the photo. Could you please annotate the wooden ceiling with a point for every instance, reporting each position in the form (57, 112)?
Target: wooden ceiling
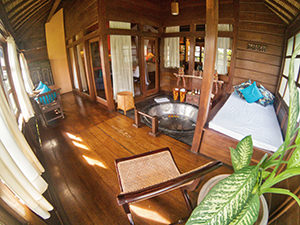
(287, 10)
(21, 15)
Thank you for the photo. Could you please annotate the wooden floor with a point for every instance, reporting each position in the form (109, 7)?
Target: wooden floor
(79, 154)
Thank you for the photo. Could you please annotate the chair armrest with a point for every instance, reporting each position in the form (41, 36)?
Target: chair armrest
(167, 186)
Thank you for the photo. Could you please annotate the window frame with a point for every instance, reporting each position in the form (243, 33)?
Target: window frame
(12, 90)
(282, 75)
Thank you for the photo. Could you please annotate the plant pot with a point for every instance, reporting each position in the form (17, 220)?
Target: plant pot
(264, 212)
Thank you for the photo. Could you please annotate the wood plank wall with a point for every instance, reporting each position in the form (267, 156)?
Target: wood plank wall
(79, 14)
(257, 24)
(33, 43)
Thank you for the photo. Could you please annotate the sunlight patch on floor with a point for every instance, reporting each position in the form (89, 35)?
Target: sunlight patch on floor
(79, 145)
(73, 137)
(94, 162)
(149, 214)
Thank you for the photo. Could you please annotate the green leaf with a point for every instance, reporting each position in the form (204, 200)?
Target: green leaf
(284, 192)
(226, 199)
(294, 161)
(241, 156)
(249, 213)
(280, 177)
(265, 174)
(294, 101)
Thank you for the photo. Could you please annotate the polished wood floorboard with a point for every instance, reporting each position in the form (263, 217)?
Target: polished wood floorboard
(79, 154)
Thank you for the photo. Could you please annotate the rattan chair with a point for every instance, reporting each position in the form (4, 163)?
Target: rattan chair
(154, 173)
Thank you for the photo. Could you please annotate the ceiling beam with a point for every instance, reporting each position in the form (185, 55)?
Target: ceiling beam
(5, 20)
(30, 14)
(25, 12)
(278, 13)
(53, 9)
(289, 15)
(17, 8)
(34, 19)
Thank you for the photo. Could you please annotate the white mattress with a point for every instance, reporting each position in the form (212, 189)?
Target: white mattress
(238, 118)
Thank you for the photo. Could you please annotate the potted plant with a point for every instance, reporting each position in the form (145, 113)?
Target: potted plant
(235, 199)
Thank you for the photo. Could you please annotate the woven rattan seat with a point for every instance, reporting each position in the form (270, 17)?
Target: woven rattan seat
(142, 172)
(153, 173)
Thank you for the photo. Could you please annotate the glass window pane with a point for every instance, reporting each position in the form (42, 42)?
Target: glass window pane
(289, 49)
(12, 103)
(296, 68)
(297, 42)
(97, 69)
(286, 67)
(286, 96)
(225, 27)
(82, 66)
(172, 29)
(147, 28)
(73, 67)
(135, 66)
(282, 86)
(119, 25)
(299, 104)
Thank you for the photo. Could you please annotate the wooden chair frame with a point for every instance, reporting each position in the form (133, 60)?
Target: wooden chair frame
(124, 199)
(55, 105)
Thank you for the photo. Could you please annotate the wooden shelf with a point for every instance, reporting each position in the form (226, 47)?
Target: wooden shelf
(196, 77)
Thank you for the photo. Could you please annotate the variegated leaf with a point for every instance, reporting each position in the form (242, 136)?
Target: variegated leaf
(294, 161)
(241, 156)
(249, 213)
(294, 100)
(226, 199)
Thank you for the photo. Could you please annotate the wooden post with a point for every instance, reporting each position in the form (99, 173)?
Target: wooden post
(212, 19)
(103, 27)
(137, 119)
(154, 131)
(236, 9)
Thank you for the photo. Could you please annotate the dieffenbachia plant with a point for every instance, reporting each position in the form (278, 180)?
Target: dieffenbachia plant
(235, 199)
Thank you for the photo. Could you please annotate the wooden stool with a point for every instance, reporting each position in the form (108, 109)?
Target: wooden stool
(125, 101)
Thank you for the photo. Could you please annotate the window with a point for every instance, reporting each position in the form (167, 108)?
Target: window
(283, 89)
(7, 83)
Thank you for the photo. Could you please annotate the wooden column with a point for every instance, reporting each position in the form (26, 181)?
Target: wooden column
(236, 9)
(103, 27)
(212, 19)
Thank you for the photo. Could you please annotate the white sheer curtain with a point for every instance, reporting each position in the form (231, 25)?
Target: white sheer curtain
(20, 170)
(171, 49)
(221, 57)
(121, 59)
(26, 74)
(25, 104)
(81, 69)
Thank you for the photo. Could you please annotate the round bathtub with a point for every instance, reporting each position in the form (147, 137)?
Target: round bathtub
(173, 117)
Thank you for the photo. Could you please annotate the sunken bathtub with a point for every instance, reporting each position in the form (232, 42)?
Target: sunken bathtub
(173, 117)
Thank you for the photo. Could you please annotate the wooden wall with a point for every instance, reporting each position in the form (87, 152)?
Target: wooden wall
(79, 14)
(257, 24)
(33, 44)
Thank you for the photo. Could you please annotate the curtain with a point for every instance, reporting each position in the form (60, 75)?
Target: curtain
(20, 170)
(121, 59)
(171, 49)
(26, 74)
(81, 69)
(24, 102)
(221, 57)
